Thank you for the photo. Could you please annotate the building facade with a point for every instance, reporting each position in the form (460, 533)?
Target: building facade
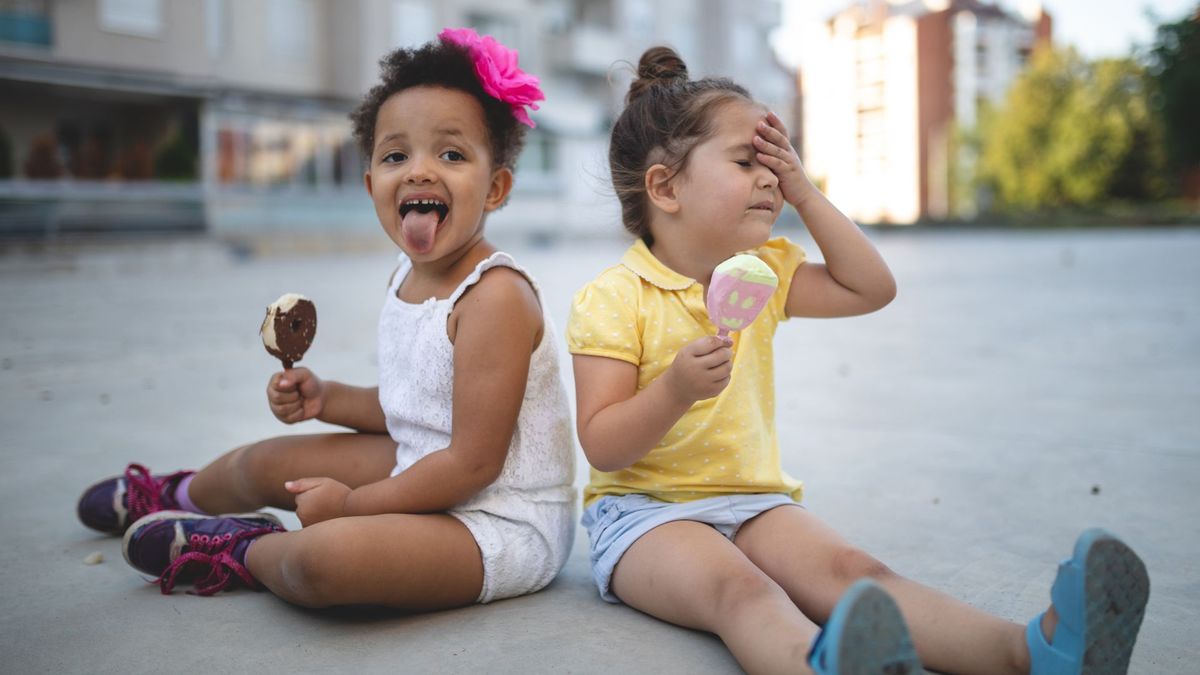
(230, 116)
(887, 86)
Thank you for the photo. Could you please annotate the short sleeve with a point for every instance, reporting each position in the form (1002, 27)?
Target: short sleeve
(783, 257)
(604, 320)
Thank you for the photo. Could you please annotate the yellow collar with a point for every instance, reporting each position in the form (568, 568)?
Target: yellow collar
(642, 262)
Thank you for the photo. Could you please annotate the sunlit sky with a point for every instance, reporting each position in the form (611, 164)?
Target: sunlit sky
(1097, 27)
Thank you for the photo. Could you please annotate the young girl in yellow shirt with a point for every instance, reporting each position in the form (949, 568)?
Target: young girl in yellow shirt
(689, 515)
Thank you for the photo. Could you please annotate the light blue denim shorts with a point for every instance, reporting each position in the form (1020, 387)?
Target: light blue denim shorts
(614, 522)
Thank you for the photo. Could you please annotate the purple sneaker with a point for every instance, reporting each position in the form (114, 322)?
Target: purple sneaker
(208, 551)
(111, 505)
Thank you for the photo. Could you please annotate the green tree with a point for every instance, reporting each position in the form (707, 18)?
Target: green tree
(1175, 67)
(1072, 133)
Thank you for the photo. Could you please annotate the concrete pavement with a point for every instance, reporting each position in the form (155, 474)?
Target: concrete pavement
(1023, 386)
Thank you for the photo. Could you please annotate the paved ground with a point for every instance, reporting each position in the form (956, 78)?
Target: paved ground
(1024, 386)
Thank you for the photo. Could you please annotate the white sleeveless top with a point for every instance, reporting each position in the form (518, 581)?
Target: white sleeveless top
(416, 389)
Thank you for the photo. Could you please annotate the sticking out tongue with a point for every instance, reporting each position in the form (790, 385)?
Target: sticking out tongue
(419, 229)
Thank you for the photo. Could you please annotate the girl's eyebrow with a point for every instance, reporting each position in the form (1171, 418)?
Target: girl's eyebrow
(390, 137)
(444, 131)
(450, 131)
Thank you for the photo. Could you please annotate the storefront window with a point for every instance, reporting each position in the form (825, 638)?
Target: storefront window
(261, 153)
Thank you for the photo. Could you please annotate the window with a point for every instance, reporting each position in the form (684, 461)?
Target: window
(267, 152)
(290, 26)
(595, 12)
(639, 20)
(502, 28)
(216, 18)
(133, 17)
(540, 155)
(25, 22)
(745, 44)
(412, 23)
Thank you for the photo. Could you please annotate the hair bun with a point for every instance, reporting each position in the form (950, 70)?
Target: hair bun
(659, 66)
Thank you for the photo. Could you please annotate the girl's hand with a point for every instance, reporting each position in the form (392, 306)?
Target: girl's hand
(776, 153)
(318, 499)
(701, 369)
(296, 395)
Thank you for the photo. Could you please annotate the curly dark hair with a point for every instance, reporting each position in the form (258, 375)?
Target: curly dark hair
(666, 115)
(446, 65)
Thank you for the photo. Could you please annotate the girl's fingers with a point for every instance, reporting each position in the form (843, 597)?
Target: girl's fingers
(777, 123)
(774, 134)
(302, 484)
(778, 152)
(765, 146)
(715, 357)
(771, 162)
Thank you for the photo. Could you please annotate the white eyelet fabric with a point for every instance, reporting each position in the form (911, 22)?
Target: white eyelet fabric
(524, 521)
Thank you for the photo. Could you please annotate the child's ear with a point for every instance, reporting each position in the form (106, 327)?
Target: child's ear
(660, 189)
(502, 182)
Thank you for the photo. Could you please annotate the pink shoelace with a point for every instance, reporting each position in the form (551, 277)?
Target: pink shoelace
(216, 552)
(144, 492)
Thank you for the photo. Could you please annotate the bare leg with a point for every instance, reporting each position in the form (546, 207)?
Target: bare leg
(411, 562)
(689, 574)
(815, 566)
(252, 476)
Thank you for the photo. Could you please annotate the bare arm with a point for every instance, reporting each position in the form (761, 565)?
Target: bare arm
(353, 407)
(619, 425)
(854, 279)
(499, 325)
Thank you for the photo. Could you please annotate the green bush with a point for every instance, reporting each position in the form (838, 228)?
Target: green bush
(176, 161)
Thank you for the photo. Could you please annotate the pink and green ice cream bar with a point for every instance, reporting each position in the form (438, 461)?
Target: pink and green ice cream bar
(738, 291)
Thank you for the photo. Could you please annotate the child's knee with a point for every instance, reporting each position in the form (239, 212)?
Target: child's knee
(307, 572)
(253, 462)
(851, 564)
(742, 589)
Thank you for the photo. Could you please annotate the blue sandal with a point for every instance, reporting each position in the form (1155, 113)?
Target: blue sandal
(865, 635)
(1100, 596)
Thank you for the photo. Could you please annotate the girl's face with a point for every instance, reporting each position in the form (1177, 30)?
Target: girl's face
(728, 200)
(431, 175)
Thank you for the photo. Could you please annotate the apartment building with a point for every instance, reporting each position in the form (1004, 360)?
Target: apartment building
(230, 115)
(887, 84)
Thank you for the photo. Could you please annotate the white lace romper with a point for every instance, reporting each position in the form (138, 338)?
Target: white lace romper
(524, 522)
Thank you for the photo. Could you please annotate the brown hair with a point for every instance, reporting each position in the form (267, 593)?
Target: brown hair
(666, 115)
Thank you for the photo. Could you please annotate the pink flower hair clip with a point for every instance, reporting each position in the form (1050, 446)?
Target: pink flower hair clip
(496, 67)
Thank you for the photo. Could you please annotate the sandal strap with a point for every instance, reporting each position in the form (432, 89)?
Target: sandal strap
(816, 654)
(1045, 658)
(1067, 594)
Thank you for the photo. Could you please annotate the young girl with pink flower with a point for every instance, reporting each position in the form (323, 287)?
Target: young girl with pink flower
(454, 484)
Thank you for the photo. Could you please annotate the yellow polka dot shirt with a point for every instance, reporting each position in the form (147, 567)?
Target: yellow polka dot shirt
(642, 312)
